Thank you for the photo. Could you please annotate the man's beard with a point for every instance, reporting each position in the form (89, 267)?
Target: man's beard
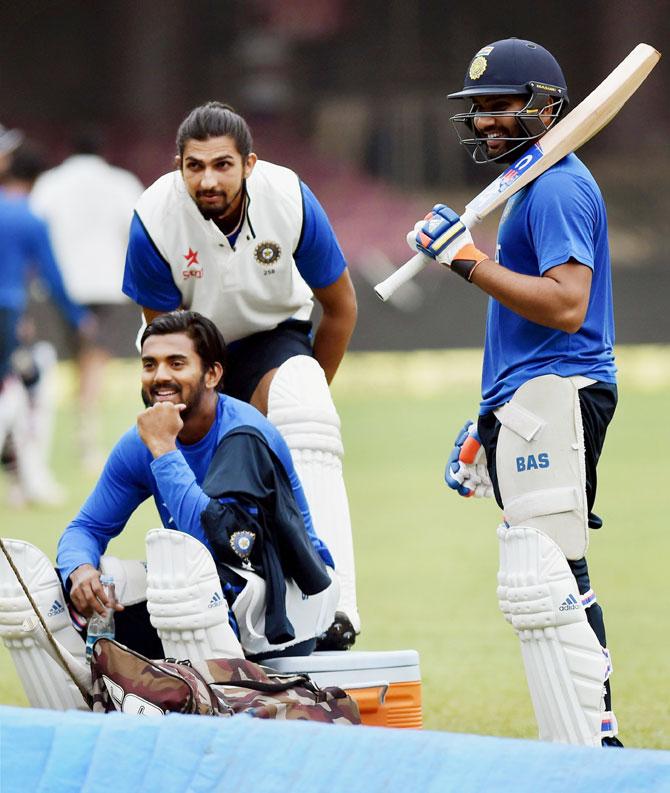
(192, 406)
(211, 213)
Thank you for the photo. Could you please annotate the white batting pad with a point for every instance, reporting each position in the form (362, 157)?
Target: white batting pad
(45, 683)
(566, 666)
(130, 578)
(302, 409)
(13, 406)
(18, 419)
(540, 461)
(310, 615)
(80, 671)
(185, 600)
(43, 398)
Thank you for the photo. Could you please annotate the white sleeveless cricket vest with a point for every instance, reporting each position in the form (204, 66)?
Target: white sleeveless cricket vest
(252, 287)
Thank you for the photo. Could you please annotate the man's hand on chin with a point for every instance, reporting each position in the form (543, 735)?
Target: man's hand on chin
(159, 426)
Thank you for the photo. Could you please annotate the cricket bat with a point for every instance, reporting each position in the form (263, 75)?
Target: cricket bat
(573, 131)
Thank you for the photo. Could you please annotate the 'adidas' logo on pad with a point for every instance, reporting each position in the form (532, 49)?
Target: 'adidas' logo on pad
(216, 600)
(56, 608)
(569, 603)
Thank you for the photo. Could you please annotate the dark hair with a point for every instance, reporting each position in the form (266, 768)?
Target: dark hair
(27, 162)
(214, 120)
(206, 337)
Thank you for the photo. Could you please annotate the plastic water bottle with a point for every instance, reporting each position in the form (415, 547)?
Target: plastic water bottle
(102, 626)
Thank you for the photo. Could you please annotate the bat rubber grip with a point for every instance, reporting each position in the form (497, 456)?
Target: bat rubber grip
(386, 288)
(470, 218)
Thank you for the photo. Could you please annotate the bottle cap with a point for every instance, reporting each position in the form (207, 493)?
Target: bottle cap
(106, 579)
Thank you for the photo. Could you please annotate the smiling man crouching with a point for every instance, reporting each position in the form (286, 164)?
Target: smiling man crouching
(217, 470)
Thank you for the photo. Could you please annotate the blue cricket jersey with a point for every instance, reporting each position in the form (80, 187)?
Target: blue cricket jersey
(558, 217)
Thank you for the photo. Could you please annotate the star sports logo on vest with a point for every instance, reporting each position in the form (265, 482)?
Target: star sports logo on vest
(193, 267)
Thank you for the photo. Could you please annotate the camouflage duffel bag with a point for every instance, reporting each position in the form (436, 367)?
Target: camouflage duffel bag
(127, 681)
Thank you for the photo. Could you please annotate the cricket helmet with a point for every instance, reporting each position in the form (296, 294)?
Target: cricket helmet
(507, 68)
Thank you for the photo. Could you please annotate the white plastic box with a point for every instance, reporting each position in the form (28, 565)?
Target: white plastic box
(386, 684)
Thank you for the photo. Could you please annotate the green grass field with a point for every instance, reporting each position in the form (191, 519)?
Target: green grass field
(427, 559)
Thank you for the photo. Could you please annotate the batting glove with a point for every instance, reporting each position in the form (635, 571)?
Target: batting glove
(443, 236)
(466, 471)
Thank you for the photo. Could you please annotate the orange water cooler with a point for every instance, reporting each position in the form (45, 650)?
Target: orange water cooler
(386, 684)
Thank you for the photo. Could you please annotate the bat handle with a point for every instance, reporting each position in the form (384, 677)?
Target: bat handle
(387, 287)
(470, 218)
(403, 274)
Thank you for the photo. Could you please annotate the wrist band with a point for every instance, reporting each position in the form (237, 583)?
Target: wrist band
(466, 267)
(472, 270)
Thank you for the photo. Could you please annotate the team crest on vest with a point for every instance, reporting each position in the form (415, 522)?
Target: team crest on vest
(242, 543)
(267, 254)
(193, 267)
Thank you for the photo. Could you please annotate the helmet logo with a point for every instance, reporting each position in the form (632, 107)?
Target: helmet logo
(477, 67)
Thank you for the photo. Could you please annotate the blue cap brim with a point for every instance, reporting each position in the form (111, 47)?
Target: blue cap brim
(484, 90)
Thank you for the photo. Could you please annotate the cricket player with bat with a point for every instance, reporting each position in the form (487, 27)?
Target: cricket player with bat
(548, 383)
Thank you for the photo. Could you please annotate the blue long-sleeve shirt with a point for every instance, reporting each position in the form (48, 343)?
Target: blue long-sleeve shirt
(175, 481)
(26, 248)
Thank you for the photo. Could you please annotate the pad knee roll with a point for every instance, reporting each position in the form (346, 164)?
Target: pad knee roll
(185, 599)
(300, 405)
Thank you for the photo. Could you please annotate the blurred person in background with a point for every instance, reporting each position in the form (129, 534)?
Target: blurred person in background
(88, 204)
(548, 383)
(246, 243)
(26, 251)
(34, 364)
(10, 139)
